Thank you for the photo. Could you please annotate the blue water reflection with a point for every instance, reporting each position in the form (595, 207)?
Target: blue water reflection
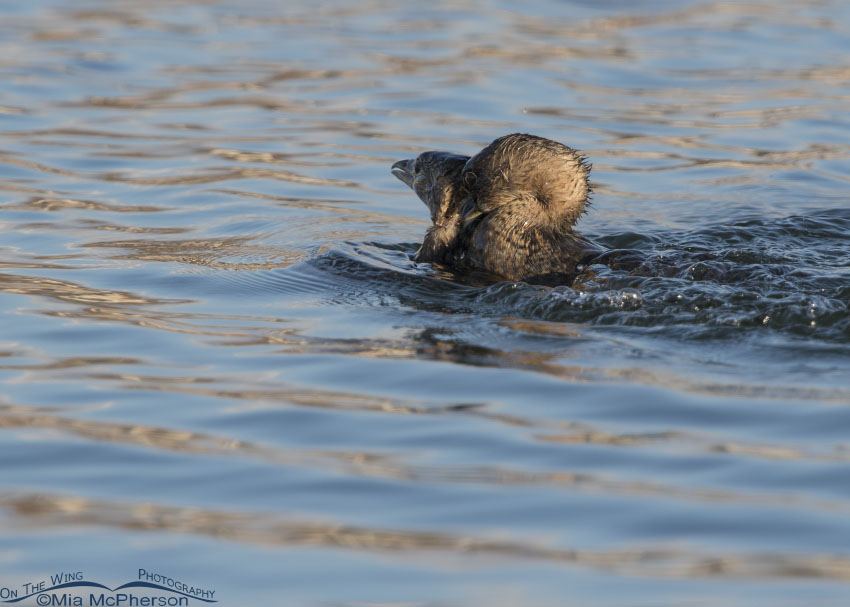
(219, 361)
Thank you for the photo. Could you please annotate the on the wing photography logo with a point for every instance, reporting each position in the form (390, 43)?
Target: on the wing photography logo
(149, 589)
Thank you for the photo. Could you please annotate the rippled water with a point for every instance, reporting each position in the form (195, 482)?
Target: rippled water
(219, 363)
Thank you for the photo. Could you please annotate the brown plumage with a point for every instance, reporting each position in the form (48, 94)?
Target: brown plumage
(509, 210)
(435, 177)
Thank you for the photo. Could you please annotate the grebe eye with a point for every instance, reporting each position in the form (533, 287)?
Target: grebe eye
(469, 179)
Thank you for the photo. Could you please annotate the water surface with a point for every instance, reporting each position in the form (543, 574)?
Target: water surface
(219, 362)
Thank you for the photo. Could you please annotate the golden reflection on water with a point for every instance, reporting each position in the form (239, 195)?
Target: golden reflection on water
(46, 510)
(181, 146)
(71, 292)
(56, 204)
(211, 252)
